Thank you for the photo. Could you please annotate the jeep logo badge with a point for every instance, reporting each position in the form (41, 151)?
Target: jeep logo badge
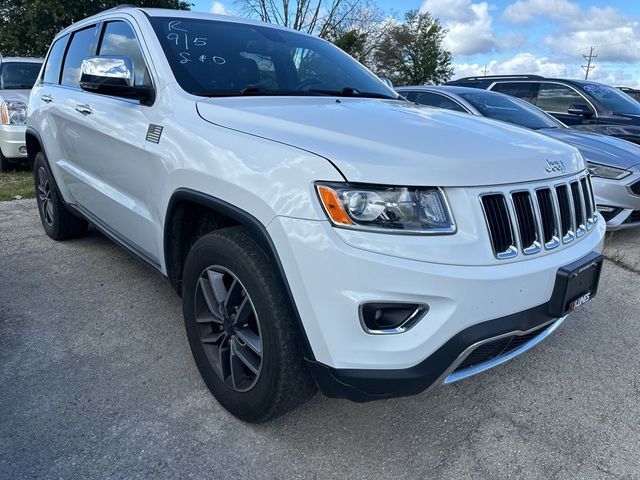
(552, 166)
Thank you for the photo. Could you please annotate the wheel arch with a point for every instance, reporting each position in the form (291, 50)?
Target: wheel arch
(217, 214)
(34, 144)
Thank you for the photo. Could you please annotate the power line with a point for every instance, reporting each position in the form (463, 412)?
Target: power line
(589, 58)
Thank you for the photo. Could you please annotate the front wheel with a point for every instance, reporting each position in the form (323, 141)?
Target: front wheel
(238, 322)
(58, 222)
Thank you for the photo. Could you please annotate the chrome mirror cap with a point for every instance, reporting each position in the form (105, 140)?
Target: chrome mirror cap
(114, 71)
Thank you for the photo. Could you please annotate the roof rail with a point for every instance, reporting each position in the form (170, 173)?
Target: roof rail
(483, 77)
(124, 5)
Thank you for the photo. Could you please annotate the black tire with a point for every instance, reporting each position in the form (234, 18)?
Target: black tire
(58, 222)
(5, 164)
(282, 382)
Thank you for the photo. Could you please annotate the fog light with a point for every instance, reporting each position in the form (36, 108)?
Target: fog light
(23, 150)
(392, 317)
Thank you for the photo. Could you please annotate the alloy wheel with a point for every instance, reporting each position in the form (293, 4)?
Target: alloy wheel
(44, 195)
(229, 328)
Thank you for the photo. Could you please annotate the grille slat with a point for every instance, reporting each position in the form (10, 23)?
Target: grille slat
(526, 221)
(498, 220)
(566, 217)
(548, 218)
(578, 209)
(536, 218)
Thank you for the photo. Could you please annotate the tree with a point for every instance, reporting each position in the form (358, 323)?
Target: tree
(323, 18)
(362, 32)
(412, 53)
(28, 26)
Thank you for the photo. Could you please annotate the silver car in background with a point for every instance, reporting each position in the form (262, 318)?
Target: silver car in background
(614, 163)
(17, 76)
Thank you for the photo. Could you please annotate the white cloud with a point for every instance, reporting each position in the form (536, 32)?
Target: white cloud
(219, 8)
(528, 63)
(526, 10)
(469, 25)
(518, 64)
(619, 44)
(616, 36)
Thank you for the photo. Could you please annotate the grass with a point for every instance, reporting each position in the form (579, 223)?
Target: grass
(16, 184)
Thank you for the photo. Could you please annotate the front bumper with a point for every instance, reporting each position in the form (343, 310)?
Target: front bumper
(329, 279)
(12, 142)
(619, 195)
(443, 366)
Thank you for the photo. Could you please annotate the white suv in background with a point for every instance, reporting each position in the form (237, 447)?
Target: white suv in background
(321, 231)
(17, 76)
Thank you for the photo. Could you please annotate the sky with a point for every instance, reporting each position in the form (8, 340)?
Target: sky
(544, 37)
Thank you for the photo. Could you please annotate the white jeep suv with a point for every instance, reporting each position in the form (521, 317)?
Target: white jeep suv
(322, 232)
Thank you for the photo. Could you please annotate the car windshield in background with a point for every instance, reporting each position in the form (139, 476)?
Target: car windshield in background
(219, 58)
(510, 109)
(612, 98)
(18, 75)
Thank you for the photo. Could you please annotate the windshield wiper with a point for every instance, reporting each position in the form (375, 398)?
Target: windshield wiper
(351, 92)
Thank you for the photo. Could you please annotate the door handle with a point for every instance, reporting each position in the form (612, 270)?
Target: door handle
(46, 98)
(84, 109)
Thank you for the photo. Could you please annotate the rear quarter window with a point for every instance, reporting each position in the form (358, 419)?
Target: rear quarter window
(51, 73)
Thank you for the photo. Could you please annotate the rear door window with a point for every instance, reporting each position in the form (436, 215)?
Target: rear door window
(554, 97)
(54, 61)
(524, 90)
(81, 47)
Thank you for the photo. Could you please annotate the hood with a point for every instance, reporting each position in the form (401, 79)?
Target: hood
(395, 142)
(19, 95)
(598, 148)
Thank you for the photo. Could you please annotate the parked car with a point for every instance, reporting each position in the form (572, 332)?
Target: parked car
(586, 105)
(320, 231)
(614, 163)
(17, 76)
(632, 92)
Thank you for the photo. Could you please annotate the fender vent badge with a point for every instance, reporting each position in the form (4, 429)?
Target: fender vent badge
(153, 133)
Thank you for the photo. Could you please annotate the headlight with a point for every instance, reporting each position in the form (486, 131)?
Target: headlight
(405, 210)
(14, 113)
(605, 171)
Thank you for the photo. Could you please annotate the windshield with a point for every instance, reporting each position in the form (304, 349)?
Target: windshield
(219, 58)
(612, 98)
(510, 109)
(18, 75)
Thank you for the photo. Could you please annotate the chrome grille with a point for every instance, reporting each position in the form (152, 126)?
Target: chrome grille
(529, 221)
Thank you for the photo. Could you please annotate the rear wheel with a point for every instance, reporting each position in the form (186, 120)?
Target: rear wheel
(58, 222)
(238, 321)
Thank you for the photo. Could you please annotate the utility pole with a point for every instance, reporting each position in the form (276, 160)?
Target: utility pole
(589, 58)
(484, 71)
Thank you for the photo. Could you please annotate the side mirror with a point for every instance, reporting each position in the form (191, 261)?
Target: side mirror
(113, 75)
(387, 82)
(580, 110)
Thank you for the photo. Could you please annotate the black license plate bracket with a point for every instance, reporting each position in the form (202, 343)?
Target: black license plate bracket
(576, 284)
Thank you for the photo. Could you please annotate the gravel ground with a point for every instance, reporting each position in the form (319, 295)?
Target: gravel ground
(97, 381)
